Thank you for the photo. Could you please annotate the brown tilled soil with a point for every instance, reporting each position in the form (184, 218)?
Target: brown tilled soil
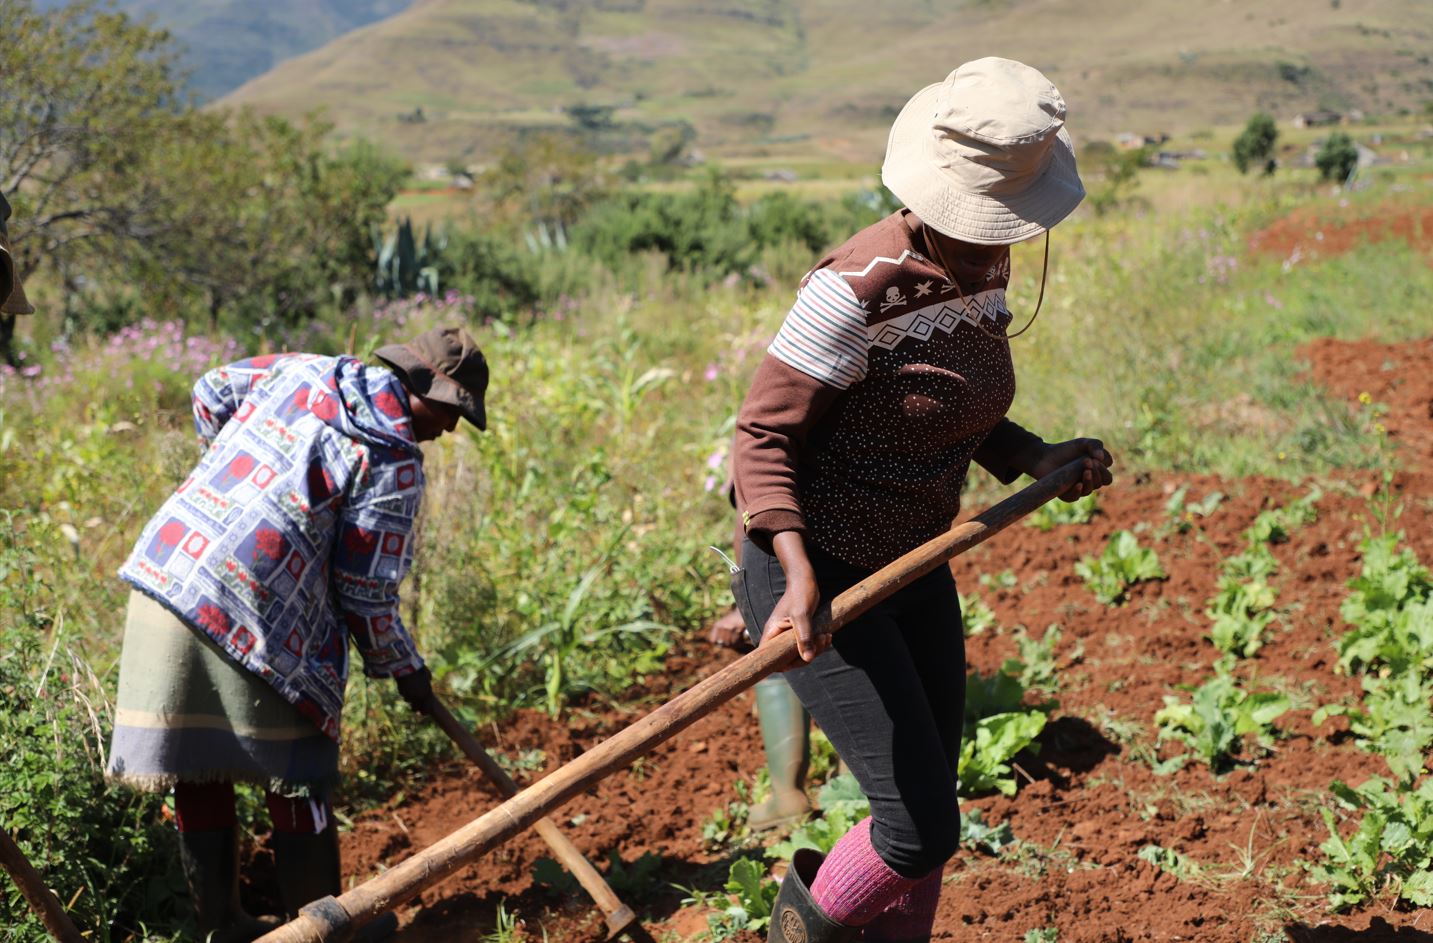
(1320, 232)
(1089, 802)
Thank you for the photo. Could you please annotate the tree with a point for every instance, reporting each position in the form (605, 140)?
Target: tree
(86, 91)
(1337, 158)
(1255, 144)
(122, 186)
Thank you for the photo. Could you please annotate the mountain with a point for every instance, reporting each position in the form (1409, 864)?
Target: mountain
(228, 42)
(450, 79)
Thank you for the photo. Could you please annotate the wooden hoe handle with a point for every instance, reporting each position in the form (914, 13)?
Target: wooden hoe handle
(42, 901)
(618, 915)
(333, 919)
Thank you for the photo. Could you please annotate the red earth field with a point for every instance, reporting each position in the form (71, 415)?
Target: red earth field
(1090, 800)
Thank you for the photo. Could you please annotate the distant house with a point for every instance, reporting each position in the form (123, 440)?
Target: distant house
(1316, 119)
(1129, 141)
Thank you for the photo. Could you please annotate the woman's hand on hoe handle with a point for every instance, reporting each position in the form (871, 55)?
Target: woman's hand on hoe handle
(1047, 458)
(796, 610)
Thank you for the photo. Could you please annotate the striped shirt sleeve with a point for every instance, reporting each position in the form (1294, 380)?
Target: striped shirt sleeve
(824, 335)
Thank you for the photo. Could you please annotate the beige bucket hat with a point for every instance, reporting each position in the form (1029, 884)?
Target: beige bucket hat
(984, 156)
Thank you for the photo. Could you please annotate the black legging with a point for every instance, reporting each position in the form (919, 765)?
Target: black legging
(890, 695)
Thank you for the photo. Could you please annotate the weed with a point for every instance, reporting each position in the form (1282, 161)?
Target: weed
(1172, 861)
(1123, 564)
(746, 904)
(727, 825)
(1043, 935)
(507, 927)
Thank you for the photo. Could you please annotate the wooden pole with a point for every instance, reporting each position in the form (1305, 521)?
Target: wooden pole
(618, 915)
(333, 919)
(40, 898)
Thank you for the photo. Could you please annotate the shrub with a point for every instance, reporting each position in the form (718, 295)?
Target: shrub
(1337, 158)
(1255, 144)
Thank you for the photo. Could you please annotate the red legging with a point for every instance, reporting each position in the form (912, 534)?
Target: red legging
(206, 807)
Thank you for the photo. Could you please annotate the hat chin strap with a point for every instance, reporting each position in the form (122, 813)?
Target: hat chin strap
(1044, 270)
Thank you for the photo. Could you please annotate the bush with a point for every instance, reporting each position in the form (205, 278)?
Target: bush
(1337, 158)
(104, 849)
(1255, 144)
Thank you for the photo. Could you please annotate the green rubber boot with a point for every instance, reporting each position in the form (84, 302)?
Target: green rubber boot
(211, 868)
(786, 735)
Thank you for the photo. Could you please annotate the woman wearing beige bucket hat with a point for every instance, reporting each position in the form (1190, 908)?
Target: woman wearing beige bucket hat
(891, 373)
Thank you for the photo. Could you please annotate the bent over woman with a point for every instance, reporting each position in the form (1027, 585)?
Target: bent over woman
(891, 373)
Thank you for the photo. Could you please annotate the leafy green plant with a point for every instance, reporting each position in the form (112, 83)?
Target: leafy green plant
(985, 756)
(1122, 564)
(1054, 514)
(975, 615)
(1390, 851)
(842, 806)
(726, 824)
(1181, 513)
(1395, 721)
(1274, 525)
(998, 725)
(1240, 611)
(1390, 609)
(1215, 721)
(1171, 861)
(1043, 935)
(1035, 668)
(975, 833)
(746, 904)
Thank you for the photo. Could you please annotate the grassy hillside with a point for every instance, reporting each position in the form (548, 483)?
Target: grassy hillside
(228, 42)
(789, 74)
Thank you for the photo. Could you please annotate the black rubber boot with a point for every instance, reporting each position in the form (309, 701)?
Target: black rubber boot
(796, 918)
(308, 870)
(211, 868)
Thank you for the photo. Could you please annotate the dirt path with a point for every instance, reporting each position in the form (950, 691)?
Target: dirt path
(1091, 800)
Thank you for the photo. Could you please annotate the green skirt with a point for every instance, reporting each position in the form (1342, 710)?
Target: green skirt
(187, 712)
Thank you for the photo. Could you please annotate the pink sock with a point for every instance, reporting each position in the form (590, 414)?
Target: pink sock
(910, 916)
(854, 885)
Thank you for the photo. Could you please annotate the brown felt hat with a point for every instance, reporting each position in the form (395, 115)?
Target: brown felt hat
(444, 365)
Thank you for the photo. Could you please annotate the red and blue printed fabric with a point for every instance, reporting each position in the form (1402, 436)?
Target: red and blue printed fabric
(292, 534)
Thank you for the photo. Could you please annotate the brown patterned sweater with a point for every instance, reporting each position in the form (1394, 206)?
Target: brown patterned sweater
(874, 397)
